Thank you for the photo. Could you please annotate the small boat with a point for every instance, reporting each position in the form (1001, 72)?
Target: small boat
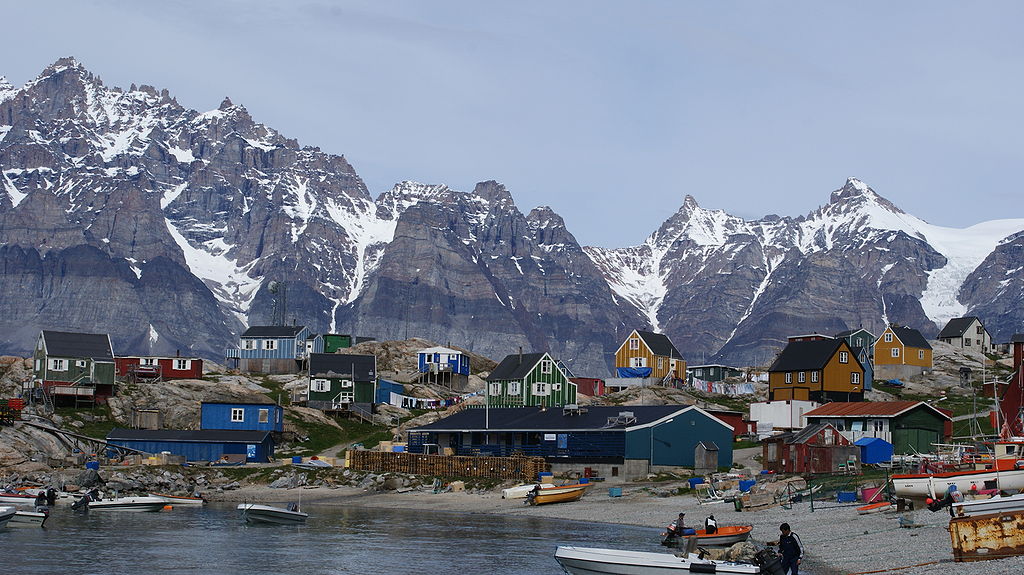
(921, 485)
(992, 505)
(312, 463)
(6, 514)
(874, 507)
(29, 519)
(557, 494)
(9, 498)
(253, 513)
(127, 504)
(592, 561)
(725, 535)
(519, 491)
(179, 499)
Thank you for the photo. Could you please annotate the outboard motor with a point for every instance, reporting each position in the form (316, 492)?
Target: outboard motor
(769, 561)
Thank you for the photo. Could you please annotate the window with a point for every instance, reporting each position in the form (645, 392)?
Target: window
(149, 361)
(58, 365)
(540, 388)
(264, 416)
(814, 377)
(844, 357)
(800, 377)
(80, 363)
(879, 425)
(248, 344)
(496, 388)
(895, 352)
(346, 383)
(859, 342)
(237, 414)
(920, 354)
(789, 378)
(320, 385)
(638, 362)
(855, 378)
(545, 366)
(556, 387)
(888, 338)
(700, 373)
(979, 330)
(634, 343)
(39, 364)
(515, 388)
(346, 397)
(270, 344)
(967, 341)
(661, 363)
(182, 364)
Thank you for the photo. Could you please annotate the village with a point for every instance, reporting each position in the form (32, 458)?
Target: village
(832, 419)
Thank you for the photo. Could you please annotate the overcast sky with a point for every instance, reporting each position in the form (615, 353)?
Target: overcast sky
(609, 112)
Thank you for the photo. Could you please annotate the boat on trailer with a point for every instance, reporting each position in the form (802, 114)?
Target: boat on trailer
(255, 513)
(594, 561)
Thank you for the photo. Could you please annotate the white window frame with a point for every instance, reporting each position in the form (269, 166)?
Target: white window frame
(249, 344)
(182, 364)
(844, 357)
(346, 397)
(854, 378)
(80, 363)
(556, 387)
(800, 377)
(514, 387)
(545, 366)
(638, 362)
(789, 377)
(699, 372)
(634, 343)
(541, 388)
(895, 352)
(39, 364)
(58, 364)
(920, 354)
(237, 415)
(264, 415)
(888, 338)
(814, 377)
(495, 388)
(661, 363)
(346, 383)
(320, 385)
(270, 344)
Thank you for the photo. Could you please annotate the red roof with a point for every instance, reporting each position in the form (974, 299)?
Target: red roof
(867, 408)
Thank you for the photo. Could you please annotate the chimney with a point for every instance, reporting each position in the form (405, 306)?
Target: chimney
(520, 355)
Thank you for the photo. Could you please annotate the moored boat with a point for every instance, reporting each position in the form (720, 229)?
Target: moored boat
(593, 561)
(559, 494)
(254, 513)
(6, 513)
(128, 504)
(179, 499)
(8, 498)
(28, 519)
(725, 535)
(970, 508)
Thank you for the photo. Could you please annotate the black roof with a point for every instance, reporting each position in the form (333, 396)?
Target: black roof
(515, 366)
(188, 435)
(266, 403)
(659, 344)
(589, 418)
(910, 336)
(273, 331)
(330, 365)
(67, 344)
(956, 326)
(801, 436)
(1017, 338)
(805, 355)
(849, 332)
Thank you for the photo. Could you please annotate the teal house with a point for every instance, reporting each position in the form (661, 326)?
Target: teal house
(531, 379)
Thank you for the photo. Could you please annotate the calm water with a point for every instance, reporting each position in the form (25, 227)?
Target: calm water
(214, 540)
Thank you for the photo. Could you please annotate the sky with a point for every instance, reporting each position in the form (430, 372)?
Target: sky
(608, 112)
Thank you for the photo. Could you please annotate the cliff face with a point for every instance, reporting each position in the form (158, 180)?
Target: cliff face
(123, 212)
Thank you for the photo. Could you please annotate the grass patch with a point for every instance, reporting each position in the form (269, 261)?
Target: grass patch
(745, 443)
(96, 421)
(277, 390)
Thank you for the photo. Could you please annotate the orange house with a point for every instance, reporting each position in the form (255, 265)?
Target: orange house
(818, 370)
(901, 345)
(653, 350)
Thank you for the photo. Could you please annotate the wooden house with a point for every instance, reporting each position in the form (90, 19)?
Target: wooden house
(158, 368)
(242, 416)
(862, 342)
(910, 426)
(201, 445)
(270, 349)
(711, 372)
(817, 370)
(901, 352)
(737, 420)
(967, 333)
(532, 379)
(651, 353)
(339, 380)
(74, 368)
(618, 443)
(818, 448)
(443, 366)
(1011, 404)
(589, 386)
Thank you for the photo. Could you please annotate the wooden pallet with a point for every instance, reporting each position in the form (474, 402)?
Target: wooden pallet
(522, 468)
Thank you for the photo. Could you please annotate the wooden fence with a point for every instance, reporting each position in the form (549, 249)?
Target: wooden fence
(522, 468)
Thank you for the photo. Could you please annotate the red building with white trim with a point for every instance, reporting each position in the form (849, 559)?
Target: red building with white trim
(157, 368)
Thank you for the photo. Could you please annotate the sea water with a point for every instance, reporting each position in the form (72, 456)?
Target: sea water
(334, 540)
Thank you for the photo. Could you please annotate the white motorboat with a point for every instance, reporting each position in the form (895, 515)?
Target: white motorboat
(254, 513)
(29, 519)
(6, 513)
(180, 499)
(992, 505)
(7, 498)
(922, 485)
(591, 561)
(128, 504)
(520, 491)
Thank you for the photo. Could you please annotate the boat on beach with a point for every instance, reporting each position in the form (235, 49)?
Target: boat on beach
(558, 494)
(922, 485)
(127, 504)
(519, 491)
(179, 499)
(594, 561)
(874, 507)
(725, 535)
(255, 513)
(972, 507)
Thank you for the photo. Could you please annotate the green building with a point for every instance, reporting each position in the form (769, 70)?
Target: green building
(910, 426)
(532, 379)
(74, 368)
(339, 380)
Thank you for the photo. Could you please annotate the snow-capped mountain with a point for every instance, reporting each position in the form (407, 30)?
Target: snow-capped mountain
(125, 213)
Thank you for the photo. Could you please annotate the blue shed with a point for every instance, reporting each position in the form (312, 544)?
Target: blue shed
(874, 450)
(443, 359)
(242, 416)
(384, 390)
(198, 445)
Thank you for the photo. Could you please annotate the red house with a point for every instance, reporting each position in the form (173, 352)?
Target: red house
(590, 386)
(735, 419)
(818, 448)
(1011, 406)
(155, 368)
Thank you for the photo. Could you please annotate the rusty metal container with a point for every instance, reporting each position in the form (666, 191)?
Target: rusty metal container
(990, 536)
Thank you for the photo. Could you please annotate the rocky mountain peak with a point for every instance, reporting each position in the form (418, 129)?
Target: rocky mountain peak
(545, 217)
(856, 192)
(226, 104)
(493, 192)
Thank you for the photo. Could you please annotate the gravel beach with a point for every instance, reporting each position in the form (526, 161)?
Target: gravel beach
(837, 540)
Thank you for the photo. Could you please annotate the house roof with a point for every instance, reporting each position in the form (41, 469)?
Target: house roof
(659, 344)
(330, 365)
(1017, 338)
(804, 355)
(868, 409)
(910, 336)
(515, 366)
(188, 435)
(440, 350)
(803, 435)
(957, 326)
(68, 344)
(689, 367)
(850, 332)
(238, 403)
(273, 331)
(590, 418)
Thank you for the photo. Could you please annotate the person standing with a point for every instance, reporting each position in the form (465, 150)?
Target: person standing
(791, 549)
(710, 525)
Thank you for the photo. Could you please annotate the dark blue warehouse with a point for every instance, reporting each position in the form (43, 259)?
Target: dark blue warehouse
(199, 445)
(242, 416)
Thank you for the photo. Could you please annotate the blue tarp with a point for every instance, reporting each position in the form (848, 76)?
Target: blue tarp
(633, 371)
(874, 450)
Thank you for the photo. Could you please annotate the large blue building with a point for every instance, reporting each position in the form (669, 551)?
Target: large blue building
(242, 416)
(199, 445)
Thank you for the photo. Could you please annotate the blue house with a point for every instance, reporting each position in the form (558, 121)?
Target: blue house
(272, 349)
(384, 390)
(199, 445)
(620, 442)
(438, 359)
(242, 416)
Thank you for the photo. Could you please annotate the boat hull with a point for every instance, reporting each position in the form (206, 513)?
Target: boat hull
(253, 513)
(518, 492)
(6, 514)
(16, 499)
(140, 504)
(179, 500)
(726, 535)
(559, 494)
(591, 561)
(989, 536)
(992, 505)
(28, 519)
(921, 485)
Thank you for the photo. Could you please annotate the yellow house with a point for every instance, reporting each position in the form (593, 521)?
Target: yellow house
(901, 345)
(818, 370)
(654, 350)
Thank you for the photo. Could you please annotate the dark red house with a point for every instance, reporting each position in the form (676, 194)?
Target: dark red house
(590, 386)
(818, 448)
(735, 419)
(1011, 405)
(156, 368)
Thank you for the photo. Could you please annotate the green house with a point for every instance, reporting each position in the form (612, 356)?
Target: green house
(910, 426)
(74, 368)
(532, 379)
(711, 372)
(338, 380)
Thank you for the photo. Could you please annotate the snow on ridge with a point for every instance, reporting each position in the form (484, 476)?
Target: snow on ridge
(15, 194)
(366, 231)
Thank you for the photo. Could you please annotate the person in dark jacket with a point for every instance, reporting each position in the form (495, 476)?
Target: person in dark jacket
(791, 549)
(710, 525)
